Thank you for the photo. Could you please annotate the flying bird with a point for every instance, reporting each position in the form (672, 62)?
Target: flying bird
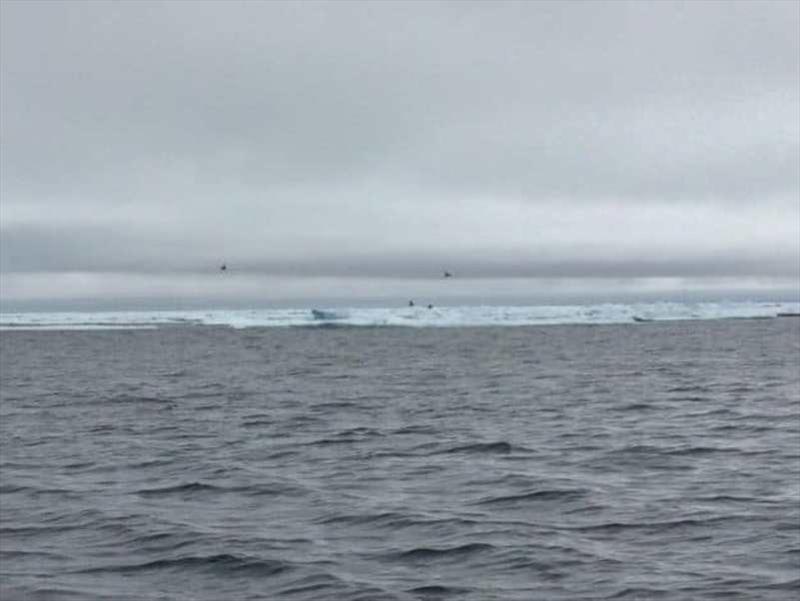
(223, 267)
(447, 274)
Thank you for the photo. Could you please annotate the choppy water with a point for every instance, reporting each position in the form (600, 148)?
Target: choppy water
(649, 461)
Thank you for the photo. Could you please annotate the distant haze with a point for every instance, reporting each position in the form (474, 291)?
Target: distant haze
(358, 149)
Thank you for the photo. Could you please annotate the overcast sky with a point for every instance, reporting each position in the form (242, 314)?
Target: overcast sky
(349, 147)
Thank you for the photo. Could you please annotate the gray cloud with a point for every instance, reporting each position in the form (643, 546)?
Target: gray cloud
(626, 139)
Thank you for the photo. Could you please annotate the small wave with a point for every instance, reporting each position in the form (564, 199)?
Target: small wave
(695, 388)
(188, 488)
(191, 488)
(163, 542)
(438, 590)
(30, 531)
(788, 585)
(729, 499)
(79, 465)
(334, 325)
(135, 398)
(500, 447)
(326, 406)
(416, 429)
(10, 489)
(47, 593)
(313, 583)
(323, 442)
(35, 491)
(388, 518)
(693, 451)
(691, 399)
(636, 407)
(281, 454)
(30, 555)
(568, 494)
(434, 553)
(146, 464)
(514, 480)
(78, 326)
(223, 563)
(638, 593)
(614, 527)
(360, 431)
(181, 373)
(636, 449)
(257, 423)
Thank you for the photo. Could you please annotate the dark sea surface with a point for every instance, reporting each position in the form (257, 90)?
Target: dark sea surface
(643, 461)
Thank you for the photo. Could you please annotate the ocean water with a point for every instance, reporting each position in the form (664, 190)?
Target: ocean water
(586, 461)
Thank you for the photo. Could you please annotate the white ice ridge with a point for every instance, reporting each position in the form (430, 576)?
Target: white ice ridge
(440, 316)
